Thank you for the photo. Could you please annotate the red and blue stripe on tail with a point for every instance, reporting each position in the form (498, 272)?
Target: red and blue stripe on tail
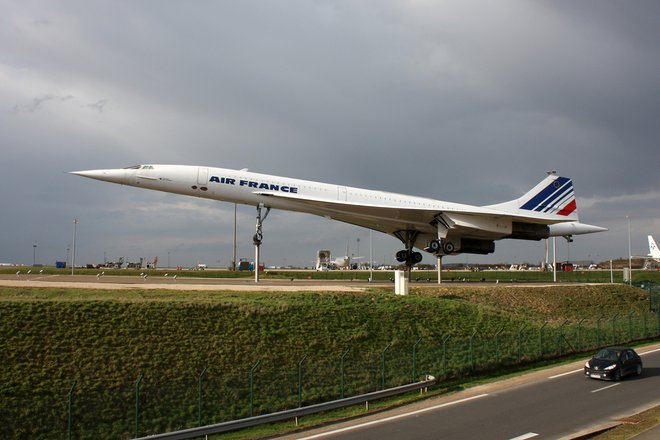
(556, 198)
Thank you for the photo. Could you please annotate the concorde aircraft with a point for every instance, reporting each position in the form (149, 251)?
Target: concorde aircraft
(441, 228)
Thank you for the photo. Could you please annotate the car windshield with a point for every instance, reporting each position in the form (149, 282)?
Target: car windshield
(610, 355)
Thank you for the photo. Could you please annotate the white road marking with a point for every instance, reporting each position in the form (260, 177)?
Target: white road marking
(388, 419)
(604, 388)
(649, 352)
(565, 374)
(525, 436)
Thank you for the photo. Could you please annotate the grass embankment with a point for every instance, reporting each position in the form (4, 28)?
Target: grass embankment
(105, 339)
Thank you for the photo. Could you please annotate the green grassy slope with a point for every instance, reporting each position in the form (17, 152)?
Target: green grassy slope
(105, 339)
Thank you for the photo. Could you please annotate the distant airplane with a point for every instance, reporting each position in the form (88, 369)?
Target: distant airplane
(653, 255)
(654, 252)
(441, 228)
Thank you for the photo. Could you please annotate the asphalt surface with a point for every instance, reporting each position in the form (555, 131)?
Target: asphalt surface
(174, 282)
(182, 283)
(553, 404)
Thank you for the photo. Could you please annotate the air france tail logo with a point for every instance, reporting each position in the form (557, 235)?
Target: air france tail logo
(557, 198)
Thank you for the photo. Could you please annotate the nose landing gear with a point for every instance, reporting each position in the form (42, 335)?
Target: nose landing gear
(258, 237)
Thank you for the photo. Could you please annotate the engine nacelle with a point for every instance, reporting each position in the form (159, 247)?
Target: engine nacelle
(529, 231)
(474, 246)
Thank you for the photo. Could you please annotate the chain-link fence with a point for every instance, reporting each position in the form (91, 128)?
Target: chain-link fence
(142, 406)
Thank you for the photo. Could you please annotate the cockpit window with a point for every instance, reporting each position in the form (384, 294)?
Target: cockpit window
(140, 167)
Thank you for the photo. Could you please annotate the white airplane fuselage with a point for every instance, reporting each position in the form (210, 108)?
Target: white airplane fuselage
(542, 212)
(248, 188)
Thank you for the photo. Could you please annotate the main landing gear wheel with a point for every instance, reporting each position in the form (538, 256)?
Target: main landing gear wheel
(437, 246)
(402, 256)
(409, 257)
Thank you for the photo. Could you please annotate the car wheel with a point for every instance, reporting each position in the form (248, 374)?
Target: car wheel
(638, 370)
(617, 375)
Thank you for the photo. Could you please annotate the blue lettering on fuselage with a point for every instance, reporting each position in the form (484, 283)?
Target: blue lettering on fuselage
(255, 184)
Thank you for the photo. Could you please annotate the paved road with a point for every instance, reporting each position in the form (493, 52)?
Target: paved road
(159, 281)
(182, 283)
(549, 407)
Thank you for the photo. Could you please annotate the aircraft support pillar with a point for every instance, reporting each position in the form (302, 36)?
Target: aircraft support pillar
(256, 263)
(439, 270)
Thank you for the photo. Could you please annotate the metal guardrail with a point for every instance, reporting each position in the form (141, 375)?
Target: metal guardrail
(288, 414)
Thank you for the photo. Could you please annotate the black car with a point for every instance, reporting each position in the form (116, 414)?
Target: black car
(612, 363)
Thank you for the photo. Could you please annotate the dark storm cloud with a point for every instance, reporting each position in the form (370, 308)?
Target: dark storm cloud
(463, 101)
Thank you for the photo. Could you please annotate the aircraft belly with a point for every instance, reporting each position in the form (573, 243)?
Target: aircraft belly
(482, 227)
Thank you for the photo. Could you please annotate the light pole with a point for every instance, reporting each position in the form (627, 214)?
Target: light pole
(554, 259)
(233, 258)
(371, 256)
(629, 254)
(34, 253)
(73, 253)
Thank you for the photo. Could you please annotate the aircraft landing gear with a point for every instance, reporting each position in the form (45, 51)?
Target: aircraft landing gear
(439, 247)
(258, 237)
(407, 255)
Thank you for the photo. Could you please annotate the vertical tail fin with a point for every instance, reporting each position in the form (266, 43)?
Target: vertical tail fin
(654, 252)
(553, 196)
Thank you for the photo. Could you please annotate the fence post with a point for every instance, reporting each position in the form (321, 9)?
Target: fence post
(630, 336)
(541, 339)
(614, 318)
(69, 404)
(300, 373)
(497, 345)
(382, 366)
(472, 349)
(444, 354)
(199, 398)
(579, 334)
(646, 331)
(254, 367)
(650, 297)
(341, 372)
(137, 404)
(520, 342)
(561, 337)
(414, 360)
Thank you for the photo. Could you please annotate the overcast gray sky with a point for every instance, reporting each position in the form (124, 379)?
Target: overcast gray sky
(469, 101)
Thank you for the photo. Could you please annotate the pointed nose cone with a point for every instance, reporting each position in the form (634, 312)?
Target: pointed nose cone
(114, 176)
